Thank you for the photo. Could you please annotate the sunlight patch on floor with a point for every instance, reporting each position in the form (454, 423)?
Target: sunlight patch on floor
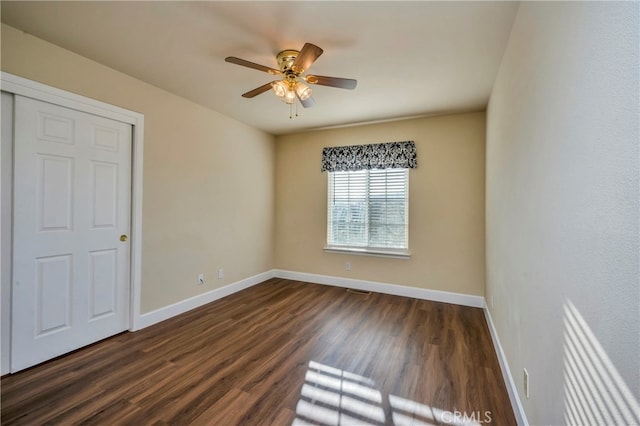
(334, 397)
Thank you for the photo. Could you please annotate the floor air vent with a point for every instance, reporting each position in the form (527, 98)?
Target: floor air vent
(353, 290)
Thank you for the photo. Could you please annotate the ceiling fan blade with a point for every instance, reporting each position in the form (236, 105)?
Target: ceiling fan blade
(238, 61)
(306, 57)
(257, 91)
(307, 103)
(342, 83)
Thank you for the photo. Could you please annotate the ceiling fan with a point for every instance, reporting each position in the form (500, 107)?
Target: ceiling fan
(293, 64)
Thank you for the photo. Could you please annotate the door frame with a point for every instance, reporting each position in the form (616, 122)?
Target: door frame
(21, 86)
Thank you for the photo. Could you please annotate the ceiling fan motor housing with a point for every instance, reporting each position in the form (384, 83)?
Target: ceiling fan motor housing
(286, 59)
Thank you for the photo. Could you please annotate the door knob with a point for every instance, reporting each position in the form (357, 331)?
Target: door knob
(123, 237)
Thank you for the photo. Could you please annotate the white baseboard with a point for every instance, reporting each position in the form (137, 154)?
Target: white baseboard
(154, 317)
(518, 410)
(183, 306)
(378, 287)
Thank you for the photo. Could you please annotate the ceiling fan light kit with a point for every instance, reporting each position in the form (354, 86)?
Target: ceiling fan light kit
(292, 64)
(288, 90)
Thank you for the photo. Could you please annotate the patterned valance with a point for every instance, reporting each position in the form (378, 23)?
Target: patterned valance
(391, 155)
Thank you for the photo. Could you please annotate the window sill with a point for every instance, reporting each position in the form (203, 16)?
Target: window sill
(368, 252)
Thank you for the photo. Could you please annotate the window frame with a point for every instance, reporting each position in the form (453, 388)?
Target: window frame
(403, 253)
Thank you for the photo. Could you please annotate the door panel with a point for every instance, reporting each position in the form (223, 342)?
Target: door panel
(104, 194)
(72, 192)
(54, 202)
(103, 280)
(53, 294)
(55, 128)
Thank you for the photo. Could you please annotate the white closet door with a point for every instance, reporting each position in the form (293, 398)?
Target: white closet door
(72, 193)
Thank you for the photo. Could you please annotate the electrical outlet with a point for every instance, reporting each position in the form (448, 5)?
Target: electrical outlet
(220, 273)
(347, 266)
(526, 383)
(200, 279)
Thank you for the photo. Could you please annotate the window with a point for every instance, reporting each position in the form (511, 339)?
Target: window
(368, 211)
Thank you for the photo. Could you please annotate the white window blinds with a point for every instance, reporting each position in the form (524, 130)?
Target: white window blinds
(368, 210)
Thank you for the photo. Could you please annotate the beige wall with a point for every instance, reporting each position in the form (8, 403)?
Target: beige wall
(563, 208)
(208, 179)
(446, 204)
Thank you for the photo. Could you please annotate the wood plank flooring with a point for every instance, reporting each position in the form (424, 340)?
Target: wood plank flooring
(280, 353)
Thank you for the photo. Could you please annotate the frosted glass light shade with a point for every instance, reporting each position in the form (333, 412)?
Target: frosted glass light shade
(280, 88)
(303, 91)
(289, 97)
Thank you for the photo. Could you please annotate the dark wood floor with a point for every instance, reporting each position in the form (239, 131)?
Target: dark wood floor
(279, 353)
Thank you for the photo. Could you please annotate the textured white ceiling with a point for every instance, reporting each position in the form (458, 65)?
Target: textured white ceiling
(410, 58)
